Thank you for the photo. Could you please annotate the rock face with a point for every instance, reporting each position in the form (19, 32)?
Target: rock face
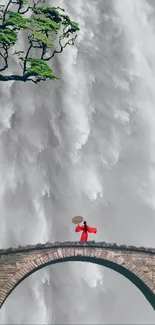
(135, 263)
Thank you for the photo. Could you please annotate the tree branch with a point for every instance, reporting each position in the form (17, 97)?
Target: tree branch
(5, 11)
(27, 54)
(70, 42)
(43, 51)
(4, 25)
(20, 5)
(24, 78)
(34, 81)
(32, 7)
(5, 58)
(41, 36)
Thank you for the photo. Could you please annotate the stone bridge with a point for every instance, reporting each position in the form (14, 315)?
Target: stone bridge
(136, 264)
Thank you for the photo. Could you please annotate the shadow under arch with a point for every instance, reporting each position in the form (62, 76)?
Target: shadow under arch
(149, 295)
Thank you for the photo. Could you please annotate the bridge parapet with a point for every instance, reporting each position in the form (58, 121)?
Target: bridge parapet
(77, 244)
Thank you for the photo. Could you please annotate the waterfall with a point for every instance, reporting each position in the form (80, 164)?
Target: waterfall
(83, 145)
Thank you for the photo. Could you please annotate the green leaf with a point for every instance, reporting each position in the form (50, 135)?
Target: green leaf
(41, 30)
(42, 39)
(39, 69)
(17, 20)
(55, 15)
(45, 24)
(8, 37)
(52, 13)
(72, 25)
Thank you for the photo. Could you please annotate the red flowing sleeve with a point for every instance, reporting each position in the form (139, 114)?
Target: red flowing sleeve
(79, 228)
(92, 230)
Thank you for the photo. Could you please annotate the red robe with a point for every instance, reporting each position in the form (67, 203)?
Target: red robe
(84, 236)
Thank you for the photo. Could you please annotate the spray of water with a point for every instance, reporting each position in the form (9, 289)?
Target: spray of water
(82, 145)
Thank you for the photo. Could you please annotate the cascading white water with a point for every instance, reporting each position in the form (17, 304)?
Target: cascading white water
(83, 145)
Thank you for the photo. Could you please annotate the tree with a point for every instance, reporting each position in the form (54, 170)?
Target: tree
(45, 27)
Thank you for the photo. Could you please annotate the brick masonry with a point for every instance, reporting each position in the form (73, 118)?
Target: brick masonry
(17, 263)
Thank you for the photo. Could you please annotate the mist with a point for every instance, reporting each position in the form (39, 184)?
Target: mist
(83, 145)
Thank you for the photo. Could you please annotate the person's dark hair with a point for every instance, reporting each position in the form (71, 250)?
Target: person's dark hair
(85, 225)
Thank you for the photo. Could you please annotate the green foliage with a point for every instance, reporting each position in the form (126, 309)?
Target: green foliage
(42, 39)
(43, 30)
(55, 15)
(45, 26)
(52, 13)
(17, 20)
(8, 37)
(70, 23)
(48, 21)
(40, 69)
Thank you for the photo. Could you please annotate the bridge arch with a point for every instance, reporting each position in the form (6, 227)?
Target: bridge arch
(110, 259)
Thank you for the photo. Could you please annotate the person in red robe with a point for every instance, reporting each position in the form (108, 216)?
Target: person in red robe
(85, 230)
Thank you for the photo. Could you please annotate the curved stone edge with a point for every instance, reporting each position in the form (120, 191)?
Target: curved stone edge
(94, 244)
(61, 253)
